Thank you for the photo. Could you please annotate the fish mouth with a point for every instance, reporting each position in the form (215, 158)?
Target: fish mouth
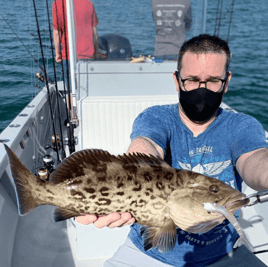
(236, 204)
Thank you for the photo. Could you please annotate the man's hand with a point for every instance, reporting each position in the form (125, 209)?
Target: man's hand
(111, 220)
(58, 57)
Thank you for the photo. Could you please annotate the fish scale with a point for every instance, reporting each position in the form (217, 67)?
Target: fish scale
(159, 197)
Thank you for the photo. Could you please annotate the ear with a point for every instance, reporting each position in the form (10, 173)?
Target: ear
(227, 82)
(176, 82)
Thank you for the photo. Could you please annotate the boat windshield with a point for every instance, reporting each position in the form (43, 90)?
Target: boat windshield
(129, 29)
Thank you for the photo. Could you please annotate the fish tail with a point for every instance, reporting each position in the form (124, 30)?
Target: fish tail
(23, 180)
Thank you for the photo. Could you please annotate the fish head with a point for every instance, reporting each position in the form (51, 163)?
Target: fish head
(186, 203)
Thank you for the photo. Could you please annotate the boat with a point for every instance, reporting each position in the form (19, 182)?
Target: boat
(108, 94)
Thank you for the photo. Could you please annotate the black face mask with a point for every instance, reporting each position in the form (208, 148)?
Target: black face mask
(201, 104)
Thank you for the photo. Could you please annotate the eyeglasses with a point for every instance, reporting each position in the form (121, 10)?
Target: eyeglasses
(213, 84)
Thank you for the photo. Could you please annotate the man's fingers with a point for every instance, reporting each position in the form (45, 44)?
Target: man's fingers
(129, 222)
(106, 220)
(86, 219)
(126, 219)
(112, 220)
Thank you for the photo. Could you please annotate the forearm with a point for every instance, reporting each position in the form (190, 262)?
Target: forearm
(95, 40)
(146, 146)
(254, 170)
(56, 38)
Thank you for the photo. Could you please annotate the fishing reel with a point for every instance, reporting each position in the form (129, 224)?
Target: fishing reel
(56, 146)
(49, 163)
(40, 76)
(44, 172)
(56, 142)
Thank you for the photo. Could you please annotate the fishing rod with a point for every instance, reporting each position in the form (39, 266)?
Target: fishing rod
(66, 51)
(70, 127)
(230, 22)
(56, 82)
(71, 140)
(35, 60)
(218, 18)
(46, 78)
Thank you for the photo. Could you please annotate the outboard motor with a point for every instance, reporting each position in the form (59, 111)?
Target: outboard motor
(114, 46)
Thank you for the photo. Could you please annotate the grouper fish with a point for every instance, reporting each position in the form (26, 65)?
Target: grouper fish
(159, 197)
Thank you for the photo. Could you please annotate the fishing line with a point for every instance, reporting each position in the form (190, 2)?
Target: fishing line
(36, 61)
(46, 78)
(56, 82)
(34, 36)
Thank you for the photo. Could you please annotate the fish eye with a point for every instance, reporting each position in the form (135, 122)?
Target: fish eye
(214, 189)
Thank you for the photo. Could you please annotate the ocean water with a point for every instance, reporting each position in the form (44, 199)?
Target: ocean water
(248, 90)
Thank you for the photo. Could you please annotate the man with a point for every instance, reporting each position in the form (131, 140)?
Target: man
(172, 19)
(197, 135)
(86, 33)
(86, 22)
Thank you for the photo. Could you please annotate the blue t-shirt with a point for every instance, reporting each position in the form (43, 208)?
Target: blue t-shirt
(214, 153)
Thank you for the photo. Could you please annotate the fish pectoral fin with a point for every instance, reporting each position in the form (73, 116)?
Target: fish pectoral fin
(64, 214)
(164, 238)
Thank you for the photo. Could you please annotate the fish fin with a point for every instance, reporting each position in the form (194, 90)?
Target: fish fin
(76, 163)
(147, 245)
(143, 159)
(22, 178)
(164, 238)
(64, 214)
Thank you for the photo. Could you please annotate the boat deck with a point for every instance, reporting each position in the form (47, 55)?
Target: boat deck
(34, 239)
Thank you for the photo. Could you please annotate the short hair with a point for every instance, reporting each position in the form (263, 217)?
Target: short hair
(205, 43)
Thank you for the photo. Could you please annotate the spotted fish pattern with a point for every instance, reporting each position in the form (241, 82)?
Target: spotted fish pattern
(93, 181)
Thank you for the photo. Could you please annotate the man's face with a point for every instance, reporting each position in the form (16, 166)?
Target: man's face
(203, 67)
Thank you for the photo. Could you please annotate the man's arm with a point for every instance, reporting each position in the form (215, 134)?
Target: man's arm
(147, 146)
(57, 38)
(96, 42)
(253, 168)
